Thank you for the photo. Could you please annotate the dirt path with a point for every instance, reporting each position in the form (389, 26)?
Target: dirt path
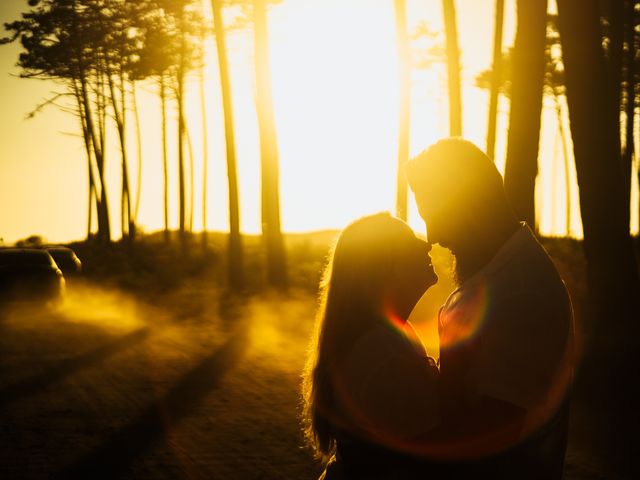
(131, 391)
(190, 387)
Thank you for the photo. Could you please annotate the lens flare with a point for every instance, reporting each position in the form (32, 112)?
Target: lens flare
(459, 328)
(462, 324)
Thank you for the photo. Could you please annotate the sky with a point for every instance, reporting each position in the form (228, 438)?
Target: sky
(335, 88)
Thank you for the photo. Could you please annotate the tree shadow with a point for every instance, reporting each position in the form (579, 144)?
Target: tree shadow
(118, 452)
(64, 368)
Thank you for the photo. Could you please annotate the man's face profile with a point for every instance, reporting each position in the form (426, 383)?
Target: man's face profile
(440, 223)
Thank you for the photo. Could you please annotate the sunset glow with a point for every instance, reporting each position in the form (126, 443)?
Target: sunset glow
(334, 68)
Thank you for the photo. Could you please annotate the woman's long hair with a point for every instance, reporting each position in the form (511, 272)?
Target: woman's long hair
(352, 301)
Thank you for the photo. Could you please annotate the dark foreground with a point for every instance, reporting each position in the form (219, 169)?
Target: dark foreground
(190, 384)
(117, 389)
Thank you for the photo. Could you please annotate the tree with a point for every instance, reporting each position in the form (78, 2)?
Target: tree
(271, 228)
(136, 114)
(553, 87)
(179, 91)
(180, 25)
(117, 48)
(159, 59)
(495, 79)
(611, 266)
(205, 143)
(527, 74)
(453, 65)
(59, 40)
(629, 94)
(235, 254)
(404, 71)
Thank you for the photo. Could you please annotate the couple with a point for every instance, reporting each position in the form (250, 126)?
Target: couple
(496, 404)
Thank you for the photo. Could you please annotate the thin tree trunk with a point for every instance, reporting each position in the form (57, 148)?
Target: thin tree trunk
(191, 209)
(165, 162)
(235, 241)
(205, 158)
(119, 114)
(496, 76)
(565, 161)
(81, 92)
(634, 99)
(87, 146)
(271, 229)
(104, 227)
(628, 152)
(181, 179)
(205, 138)
(553, 200)
(615, 58)
(611, 267)
(453, 65)
(404, 71)
(180, 99)
(102, 113)
(521, 168)
(136, 114)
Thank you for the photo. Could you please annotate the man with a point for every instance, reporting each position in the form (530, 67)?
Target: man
(506, 332)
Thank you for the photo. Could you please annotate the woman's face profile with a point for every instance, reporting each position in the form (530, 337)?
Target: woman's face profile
(413, 274)
(381, 261)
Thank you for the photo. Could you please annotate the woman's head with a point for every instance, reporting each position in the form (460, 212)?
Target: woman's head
(377, 272)
(378, 265)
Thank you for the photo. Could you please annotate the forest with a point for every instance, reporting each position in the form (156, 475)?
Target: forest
(583, 56)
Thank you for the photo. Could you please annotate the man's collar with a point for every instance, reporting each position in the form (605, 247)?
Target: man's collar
(502, 256)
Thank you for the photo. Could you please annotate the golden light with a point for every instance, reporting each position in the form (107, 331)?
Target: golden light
(335, 89)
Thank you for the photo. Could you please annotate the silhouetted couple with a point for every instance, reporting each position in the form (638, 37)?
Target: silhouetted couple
(496, 406)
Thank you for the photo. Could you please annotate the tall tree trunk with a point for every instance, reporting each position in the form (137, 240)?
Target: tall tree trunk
(100, 123)
(101, 105)
(565, 161)
(181, 179)
(636, 92)
(521, 166)
(611, 266)
(615, 13)
(271, 230)
(136, 114)
(126, 183)
(453, 65)
(104, 224)
(496, 76)
(120, 115)
(205, 138)
(165, 162)
(205, 157)
(629, 105)
(404, 71)
(180, 98)
(187, 136)
(87, 146)
(236, 280)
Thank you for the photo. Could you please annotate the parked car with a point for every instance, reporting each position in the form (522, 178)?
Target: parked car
(30, 275)
(66, 259)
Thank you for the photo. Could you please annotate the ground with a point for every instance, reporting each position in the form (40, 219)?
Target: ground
(186, 381)
(133, 390)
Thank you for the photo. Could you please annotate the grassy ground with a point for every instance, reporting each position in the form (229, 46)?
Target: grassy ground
(150, 370)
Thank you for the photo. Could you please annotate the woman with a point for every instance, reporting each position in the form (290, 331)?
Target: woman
(369, 386)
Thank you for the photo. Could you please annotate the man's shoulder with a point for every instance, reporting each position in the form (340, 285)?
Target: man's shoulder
(528, 273)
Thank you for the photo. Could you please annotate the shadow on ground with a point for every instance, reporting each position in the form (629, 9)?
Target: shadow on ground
(116, 454)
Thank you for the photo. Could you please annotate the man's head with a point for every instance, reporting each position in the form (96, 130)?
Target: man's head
(460, 196)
